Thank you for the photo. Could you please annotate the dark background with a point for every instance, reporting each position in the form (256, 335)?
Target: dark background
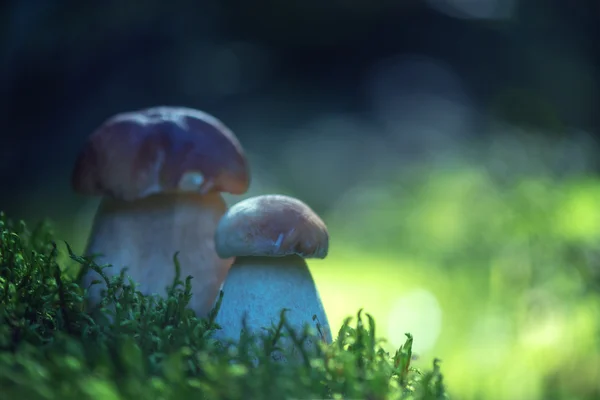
(268, 67)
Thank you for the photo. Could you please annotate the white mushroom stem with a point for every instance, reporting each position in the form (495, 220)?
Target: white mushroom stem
(143, 235)
(260, 287)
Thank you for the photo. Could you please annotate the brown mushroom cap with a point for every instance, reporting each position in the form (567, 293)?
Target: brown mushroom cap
(161, 149)
(271, 225)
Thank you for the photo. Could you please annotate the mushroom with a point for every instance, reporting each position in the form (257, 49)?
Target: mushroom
(270, 237)
(160, 171)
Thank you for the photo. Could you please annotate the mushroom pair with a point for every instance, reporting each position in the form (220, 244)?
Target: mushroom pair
(160, 172)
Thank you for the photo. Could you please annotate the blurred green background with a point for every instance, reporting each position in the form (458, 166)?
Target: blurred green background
(451, 147)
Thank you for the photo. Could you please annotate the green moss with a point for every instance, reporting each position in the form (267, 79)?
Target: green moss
(148, 347)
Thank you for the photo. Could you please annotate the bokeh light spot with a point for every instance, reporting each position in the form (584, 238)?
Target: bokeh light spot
(419, 313)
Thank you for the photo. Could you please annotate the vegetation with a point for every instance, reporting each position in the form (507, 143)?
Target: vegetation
(497, 269)
(134, 346)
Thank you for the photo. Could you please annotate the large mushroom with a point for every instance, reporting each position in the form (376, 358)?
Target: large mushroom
(270, 237)
(160, 171)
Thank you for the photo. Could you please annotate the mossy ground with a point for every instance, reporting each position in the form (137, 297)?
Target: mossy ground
(150, 347)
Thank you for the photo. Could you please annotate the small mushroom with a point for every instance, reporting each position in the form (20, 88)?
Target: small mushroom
(160, 172)
(270, 236)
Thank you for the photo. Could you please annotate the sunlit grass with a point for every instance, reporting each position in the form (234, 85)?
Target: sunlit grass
(515, 308)
(500, 349)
